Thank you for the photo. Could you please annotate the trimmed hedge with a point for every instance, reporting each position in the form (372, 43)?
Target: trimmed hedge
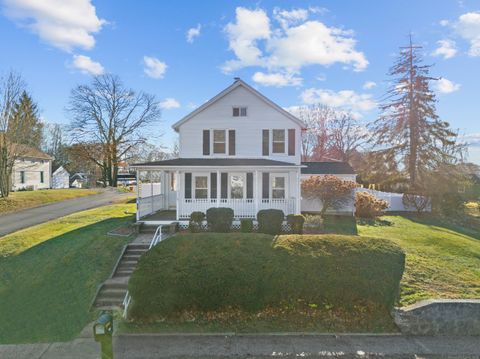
(213, 271)
(270, 221)
(220, 219)
(246, 225)
(296, 221)
(195, 223)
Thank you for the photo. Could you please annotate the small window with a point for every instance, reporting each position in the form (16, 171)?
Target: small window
(42, 180)
(237, 186)
(278, 187)
(201, 187)
(278, 141)
(219, 141)
(239, 112)
(22, 177)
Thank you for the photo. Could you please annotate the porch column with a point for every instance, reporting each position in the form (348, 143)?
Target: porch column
(255, 191)
(298, 201)
(138, 194)
(218, 188)
(151, 190)
(177, 184)
(163, 187)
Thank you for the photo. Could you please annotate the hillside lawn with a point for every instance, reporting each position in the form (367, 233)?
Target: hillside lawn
(49, 273)
(17, 201)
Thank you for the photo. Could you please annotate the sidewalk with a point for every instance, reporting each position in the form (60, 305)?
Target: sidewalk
(149, 346)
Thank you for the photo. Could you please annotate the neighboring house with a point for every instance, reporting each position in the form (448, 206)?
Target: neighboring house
(60, 178)
(32, 169)
(78, 180)
(238, 150)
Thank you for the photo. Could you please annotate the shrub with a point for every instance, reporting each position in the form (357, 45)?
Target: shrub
(313, 224)
(296, 221)
(270, 221)
(246, 225)
(369, 206)
(452, 204)
(214, 271)
(220, 219)
(195, 223)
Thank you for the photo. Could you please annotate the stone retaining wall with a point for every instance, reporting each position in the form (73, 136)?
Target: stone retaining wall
(440, 317)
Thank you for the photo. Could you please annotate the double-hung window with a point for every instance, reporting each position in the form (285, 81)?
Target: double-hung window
(42, 179)
(278, 187)
(278, 141)
(219, 141)
(201, 187)
(22, 177)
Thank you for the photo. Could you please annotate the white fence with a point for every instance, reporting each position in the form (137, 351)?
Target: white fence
(395, 200)
(149, 189)
(242, 208)
(148, 205)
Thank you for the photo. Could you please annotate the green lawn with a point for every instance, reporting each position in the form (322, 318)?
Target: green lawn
(49, 273)
(27, 199)
(443, 261)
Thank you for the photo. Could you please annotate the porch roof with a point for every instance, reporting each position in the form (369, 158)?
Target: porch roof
(216, 162)
(333, 168)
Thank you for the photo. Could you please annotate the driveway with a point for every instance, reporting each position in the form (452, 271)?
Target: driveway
(30, 217)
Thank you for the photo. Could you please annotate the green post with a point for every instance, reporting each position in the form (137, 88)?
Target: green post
(102, 332)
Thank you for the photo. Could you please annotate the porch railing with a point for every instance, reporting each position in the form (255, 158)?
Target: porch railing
(148, 205)
(242, 208)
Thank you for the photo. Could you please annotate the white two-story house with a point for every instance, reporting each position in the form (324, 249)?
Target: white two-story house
(238, 150)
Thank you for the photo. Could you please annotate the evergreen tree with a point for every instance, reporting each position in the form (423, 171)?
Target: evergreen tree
(26, 113)
(409, 128)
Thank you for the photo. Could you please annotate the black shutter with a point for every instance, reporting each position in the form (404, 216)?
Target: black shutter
(206, 142)
(265, 185)
(231, 142)
(249, 185)
(265, 142)
(291, 142)
(213, 185)
(224, 185)
(188, 185)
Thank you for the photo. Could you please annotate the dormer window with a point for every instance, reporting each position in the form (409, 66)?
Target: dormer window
(239, 112)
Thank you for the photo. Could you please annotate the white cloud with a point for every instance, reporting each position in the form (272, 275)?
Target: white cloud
(169, 103)
(193, 32)
(468, 27)
(472, 139)
(153, 67)
(446, 86)
(446, 48)
(298, 42)
(369, 85)
(63, 24)
(347, 100)
(444, 22)
(87, 66)
(276, 79)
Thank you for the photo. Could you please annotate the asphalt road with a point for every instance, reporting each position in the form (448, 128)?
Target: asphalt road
(30, 217)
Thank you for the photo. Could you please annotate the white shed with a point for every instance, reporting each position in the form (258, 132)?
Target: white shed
(60, 178)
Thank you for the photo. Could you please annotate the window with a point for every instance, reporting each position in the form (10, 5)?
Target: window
(239, 112)
(278, 187)
(41, 177)
(237, 186)
(219, 141)
(201, 187)
(22, 176)
(278, 141)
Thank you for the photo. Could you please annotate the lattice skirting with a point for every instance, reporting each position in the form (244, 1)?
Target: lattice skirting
(235, 226)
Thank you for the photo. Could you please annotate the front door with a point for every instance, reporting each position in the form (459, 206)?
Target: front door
(172, 192)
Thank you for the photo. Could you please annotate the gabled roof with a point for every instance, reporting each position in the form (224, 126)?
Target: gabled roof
(56, 169)
(198, 162)
(323, 168)
(237, 83)
(30, 152)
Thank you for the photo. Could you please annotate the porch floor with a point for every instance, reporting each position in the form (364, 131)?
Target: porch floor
(165, 215)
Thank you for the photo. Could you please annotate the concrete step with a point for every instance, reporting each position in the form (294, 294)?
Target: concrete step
(123, 273)
(127, 266)
(138, 246)
(127, 262)
(112, 294)
(134, 252)
(114, 285)
(108, 303)
(131, 257)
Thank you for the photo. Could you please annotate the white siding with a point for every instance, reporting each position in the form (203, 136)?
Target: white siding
(31, 168)
(60, 179)
(248, 129)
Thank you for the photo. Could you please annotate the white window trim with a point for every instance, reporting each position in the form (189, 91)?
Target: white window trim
(225, 131)
(286, 177)
(194, 185)
(285, 144)
(227, 143)
(244, 177)
(239, 110)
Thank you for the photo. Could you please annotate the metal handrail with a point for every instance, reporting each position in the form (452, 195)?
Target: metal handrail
(156, 237)
(126, 303)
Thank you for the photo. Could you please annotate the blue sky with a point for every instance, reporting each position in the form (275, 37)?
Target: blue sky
(295, 52)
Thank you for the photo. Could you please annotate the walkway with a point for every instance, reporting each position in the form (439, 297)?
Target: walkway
(30, 217)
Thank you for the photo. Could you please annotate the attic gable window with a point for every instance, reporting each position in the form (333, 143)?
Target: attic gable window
(239, 112)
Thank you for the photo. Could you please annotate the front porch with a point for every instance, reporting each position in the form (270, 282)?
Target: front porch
(166, 195)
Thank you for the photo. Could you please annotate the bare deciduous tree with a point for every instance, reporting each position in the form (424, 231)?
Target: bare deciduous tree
(108, 116)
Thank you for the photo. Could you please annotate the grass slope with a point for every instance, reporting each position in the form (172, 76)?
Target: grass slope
(49, 274)
(29, 199)
(442, 261)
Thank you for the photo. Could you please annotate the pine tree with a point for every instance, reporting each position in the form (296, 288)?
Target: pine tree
(26, 113)
(409, 128)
